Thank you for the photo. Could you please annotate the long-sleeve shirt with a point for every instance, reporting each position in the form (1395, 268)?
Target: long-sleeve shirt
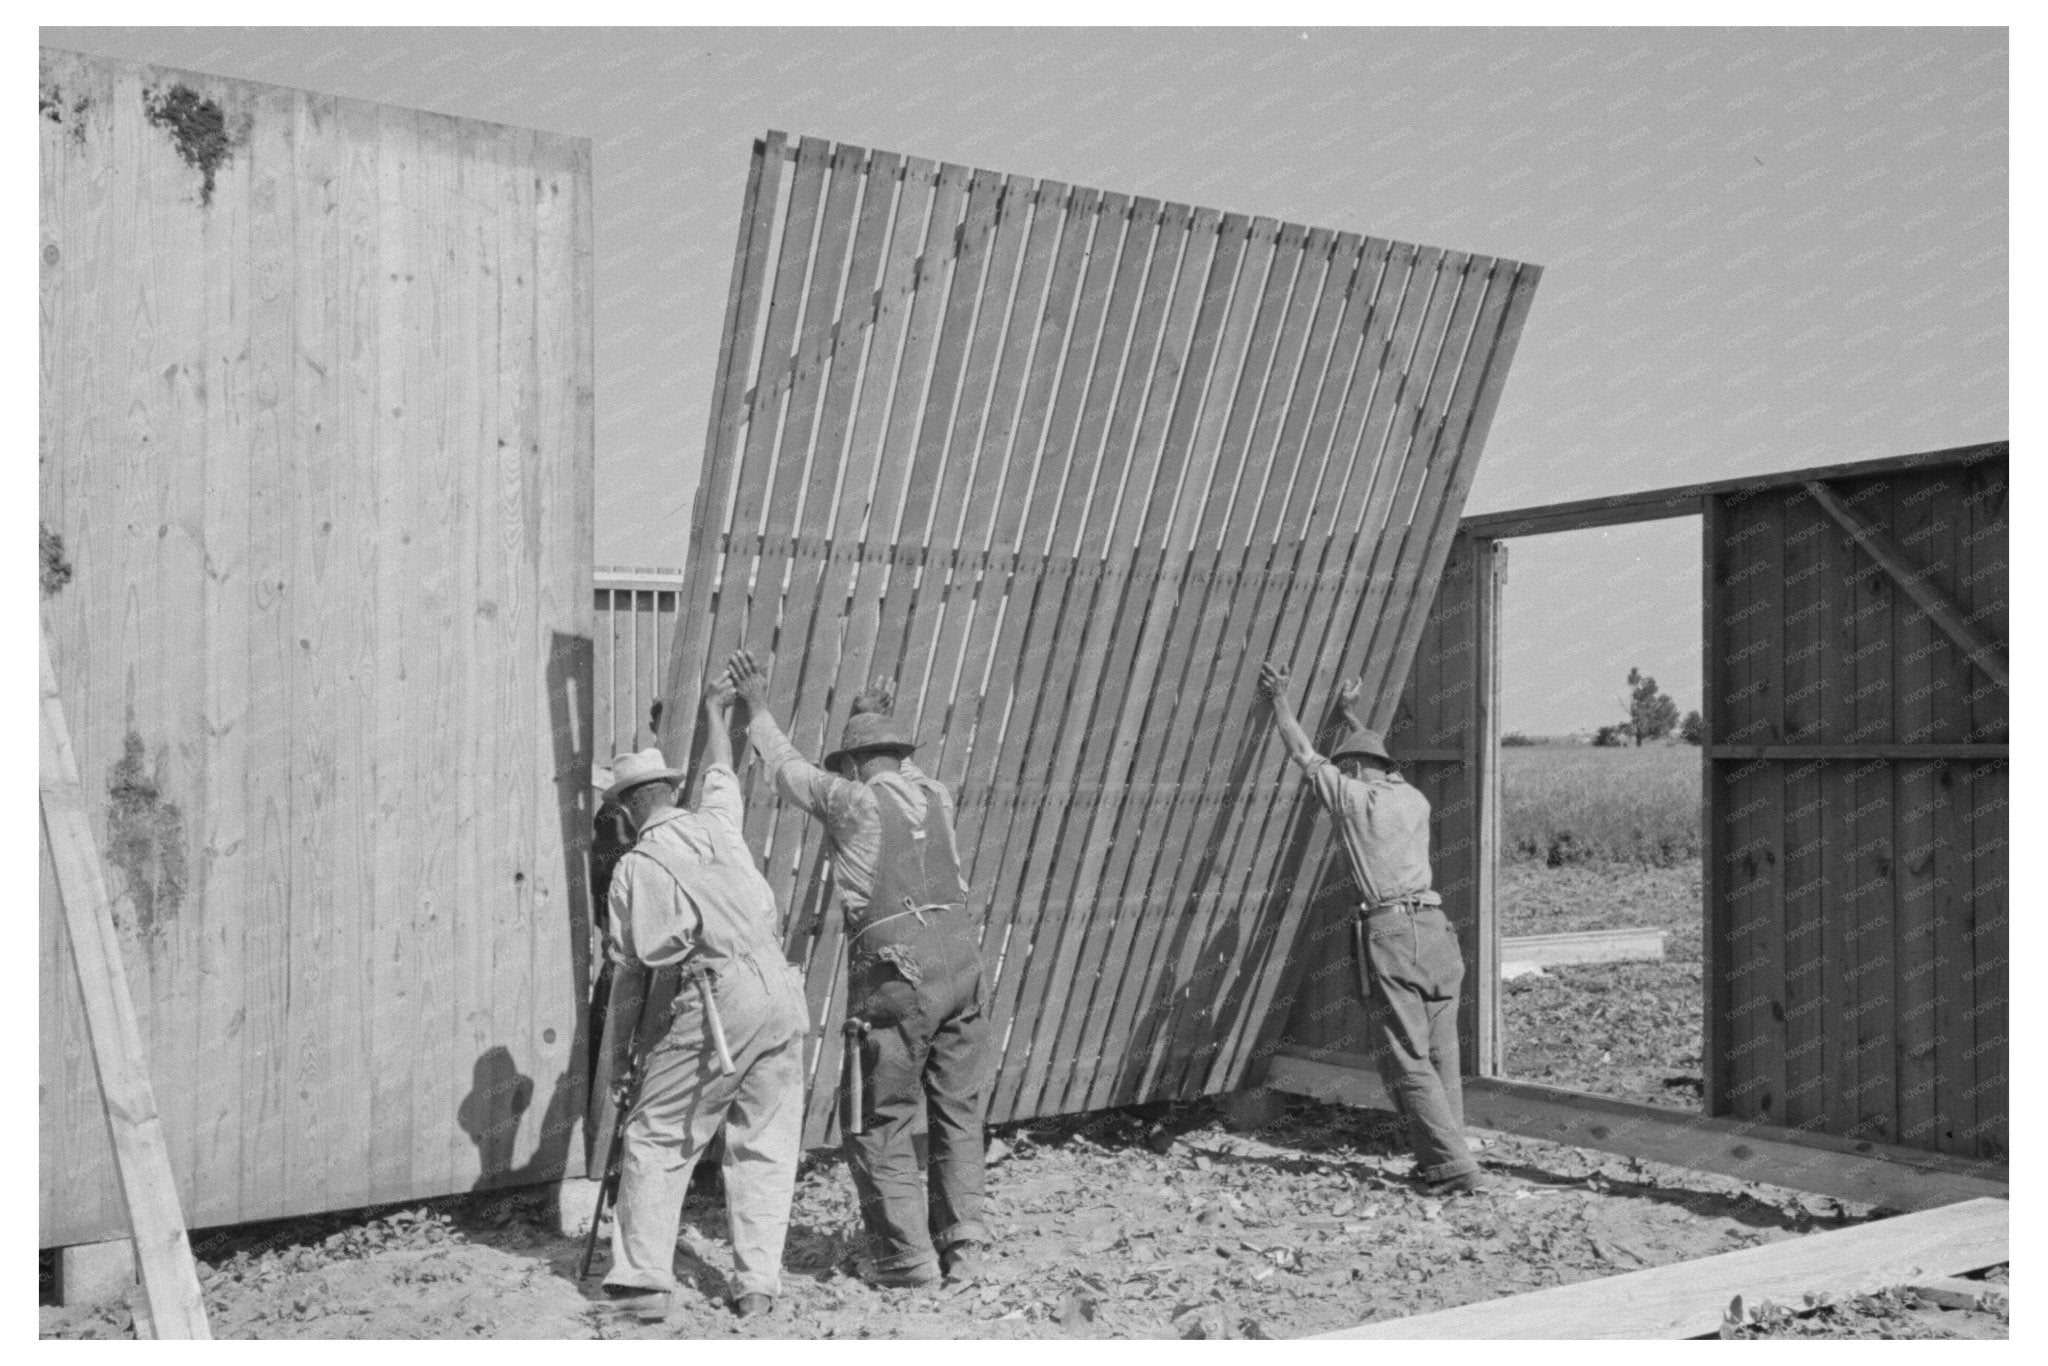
(689, 889)
(846, 809)
(1384, 823)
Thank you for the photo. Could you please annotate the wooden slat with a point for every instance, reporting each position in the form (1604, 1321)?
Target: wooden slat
(721, 438)
(1914, 752)
(1713, 833)
(1690, 1299)
(142, 1161)
(1916, 801)
(1807, 634)
(1870, 896)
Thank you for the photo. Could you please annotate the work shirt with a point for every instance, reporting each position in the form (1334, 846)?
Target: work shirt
(1385, 825)
(846, 809)
(689, 890)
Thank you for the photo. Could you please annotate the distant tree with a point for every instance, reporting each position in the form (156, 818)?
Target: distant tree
(1651, 714)
(1693, 729)
(1514, 739)
(1611, 737)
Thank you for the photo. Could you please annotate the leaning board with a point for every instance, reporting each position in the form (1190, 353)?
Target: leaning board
(316, 435)
(1067, 464)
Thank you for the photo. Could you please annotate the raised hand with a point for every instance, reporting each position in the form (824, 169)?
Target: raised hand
(1273, 681)
(880, 696)
(749, 679)
(1347, 698)
(719, 693)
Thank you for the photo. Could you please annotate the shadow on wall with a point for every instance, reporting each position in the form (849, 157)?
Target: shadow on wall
(500, 1094)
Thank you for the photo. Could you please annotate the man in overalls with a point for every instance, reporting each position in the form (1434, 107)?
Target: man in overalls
(688, 902)
(1411, 951)
(914, 1000)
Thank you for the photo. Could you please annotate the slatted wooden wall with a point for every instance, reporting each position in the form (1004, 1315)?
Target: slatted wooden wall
(1857, 836)
(1067, 464)
(1446, 739)
(316, 434)
(635, 615)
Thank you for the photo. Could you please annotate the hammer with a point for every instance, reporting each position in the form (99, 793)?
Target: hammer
(713, 1026)
(854, 1116)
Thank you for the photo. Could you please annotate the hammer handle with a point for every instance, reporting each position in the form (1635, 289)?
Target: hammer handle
(714, 1026)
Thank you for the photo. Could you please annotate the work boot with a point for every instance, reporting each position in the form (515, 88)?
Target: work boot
(910, 1278)
(648, 1306)
(963, 1263)
(753, 1303)
(1465, 1183)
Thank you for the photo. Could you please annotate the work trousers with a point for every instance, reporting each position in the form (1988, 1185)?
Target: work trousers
(1412, 1015)
(682, 1102)
(927, 1044)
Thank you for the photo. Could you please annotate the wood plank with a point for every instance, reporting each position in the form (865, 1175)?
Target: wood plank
(1655, 504)
(1484, 741)
(724, 421)
(1713, 832)
(1916, 800)
(142, 1161)
(1985, 797)
(1584, 946)
(548, 888)
(1880, 1174)
(1689, 1299)
(1807, 634)
(1910, 752)
(1871, 863)
(1906, 575)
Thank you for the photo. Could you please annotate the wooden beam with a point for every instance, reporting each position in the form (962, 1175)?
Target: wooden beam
(1984, 653)
(1823, 1164)
(148, 1190)
(1913, 753)
(1689, 1299)
(1584, 946)
(1655, 504)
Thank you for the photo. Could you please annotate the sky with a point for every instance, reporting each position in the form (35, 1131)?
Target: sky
(1762, 249)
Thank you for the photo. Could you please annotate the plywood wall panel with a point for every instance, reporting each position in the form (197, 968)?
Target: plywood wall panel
(316, 433)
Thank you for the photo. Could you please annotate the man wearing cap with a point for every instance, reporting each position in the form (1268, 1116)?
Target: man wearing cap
(688, 902)
(1411, 951)
(914, 998)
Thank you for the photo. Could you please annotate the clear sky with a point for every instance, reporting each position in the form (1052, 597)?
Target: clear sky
(1763, 249)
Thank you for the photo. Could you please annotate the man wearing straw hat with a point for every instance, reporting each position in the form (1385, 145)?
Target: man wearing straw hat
(726, 1016)
(1410, 967)
(914, 993)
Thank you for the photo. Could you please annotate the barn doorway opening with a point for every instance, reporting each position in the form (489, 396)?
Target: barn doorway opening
(1599, 894)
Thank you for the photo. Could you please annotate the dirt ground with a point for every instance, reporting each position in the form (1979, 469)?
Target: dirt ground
(1152, 1223)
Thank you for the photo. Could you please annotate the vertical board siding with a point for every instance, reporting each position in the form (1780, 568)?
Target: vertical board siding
(1857, 906)
(635, 613)
(1066, 465)
(318, 438)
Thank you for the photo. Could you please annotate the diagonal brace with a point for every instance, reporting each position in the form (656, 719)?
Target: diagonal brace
(1975, 647)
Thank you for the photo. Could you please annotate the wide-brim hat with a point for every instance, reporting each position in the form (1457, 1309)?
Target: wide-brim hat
(871, 731)
(1362, 741)
(637, 770)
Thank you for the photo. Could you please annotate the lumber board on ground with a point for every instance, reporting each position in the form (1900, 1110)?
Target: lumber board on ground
(1880, 1174)
(1689, 1299)
(1584, 946)
(142, 1162)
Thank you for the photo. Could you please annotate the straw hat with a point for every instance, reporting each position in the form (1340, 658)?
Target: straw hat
(637, 770)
